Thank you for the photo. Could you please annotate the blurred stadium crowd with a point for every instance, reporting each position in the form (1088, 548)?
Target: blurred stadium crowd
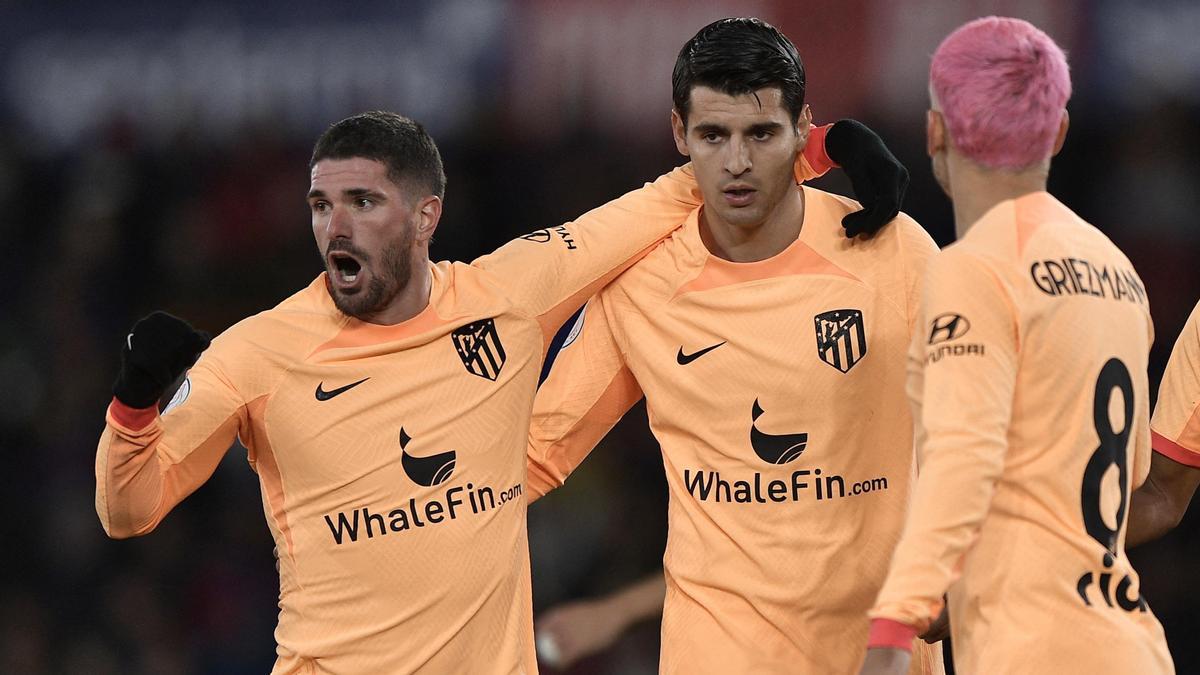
(161, 162)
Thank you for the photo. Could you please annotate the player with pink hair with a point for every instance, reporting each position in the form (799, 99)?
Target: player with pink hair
(1003, 87)
(1029, 389)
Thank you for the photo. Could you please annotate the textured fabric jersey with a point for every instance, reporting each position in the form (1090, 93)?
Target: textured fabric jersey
(389, 456)
(776, 392)
(1175, 427)
(1029, 386)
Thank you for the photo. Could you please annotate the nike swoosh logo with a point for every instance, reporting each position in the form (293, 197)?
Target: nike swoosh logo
(323, 395)
(684, 359)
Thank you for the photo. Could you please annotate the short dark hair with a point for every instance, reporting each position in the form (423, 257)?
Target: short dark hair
(394, 140)
(735, 57)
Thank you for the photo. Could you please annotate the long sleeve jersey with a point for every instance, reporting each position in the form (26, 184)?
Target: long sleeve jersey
(776, 392)
(1030, 391)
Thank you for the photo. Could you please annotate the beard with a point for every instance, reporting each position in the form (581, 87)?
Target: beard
(385, 281)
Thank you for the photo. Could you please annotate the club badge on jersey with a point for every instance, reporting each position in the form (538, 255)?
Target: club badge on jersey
(478, 345)
(841, 338)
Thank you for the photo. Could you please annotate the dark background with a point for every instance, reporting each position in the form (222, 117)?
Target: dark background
(155, 156)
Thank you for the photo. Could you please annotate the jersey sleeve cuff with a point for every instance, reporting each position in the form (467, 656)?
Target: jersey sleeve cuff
(815, 153)
(1168, 448)
(134, 419)
(889, 634)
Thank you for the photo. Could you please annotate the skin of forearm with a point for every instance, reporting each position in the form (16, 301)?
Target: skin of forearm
(1159, 504)
(642, 600)
(1144, 517)
(1152, 513)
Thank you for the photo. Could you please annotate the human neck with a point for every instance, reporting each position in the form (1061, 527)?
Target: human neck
(410, 301)
(975, 189)
(750, 244)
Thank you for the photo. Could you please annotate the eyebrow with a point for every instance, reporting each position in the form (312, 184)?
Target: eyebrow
(765, 126)
(349, 192)
(712, 127)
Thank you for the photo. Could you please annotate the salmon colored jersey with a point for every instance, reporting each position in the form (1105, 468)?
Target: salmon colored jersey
(1029, 386)
(776, 392)
(389, 456)
(1175, 427)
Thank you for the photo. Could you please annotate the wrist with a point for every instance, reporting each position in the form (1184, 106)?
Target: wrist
(134, 419)
(890, 634)
(817, 150)
(840, 141)
(136, 388)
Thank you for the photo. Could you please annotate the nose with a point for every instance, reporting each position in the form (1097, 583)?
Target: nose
(339, 225)
(737, 158)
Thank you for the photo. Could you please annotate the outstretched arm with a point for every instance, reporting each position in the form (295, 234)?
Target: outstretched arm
(587, 388)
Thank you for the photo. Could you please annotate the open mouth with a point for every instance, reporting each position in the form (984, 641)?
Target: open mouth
(344, 268)
(739, 196)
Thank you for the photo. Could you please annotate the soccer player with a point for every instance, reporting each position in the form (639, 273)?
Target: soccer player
(383, 408)
(770, 350)
(1028, 382)
(1159, 504)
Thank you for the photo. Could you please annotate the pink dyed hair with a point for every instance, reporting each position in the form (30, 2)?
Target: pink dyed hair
(1002, 85)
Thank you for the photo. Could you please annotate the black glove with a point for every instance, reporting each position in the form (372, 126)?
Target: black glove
(878, 178)
(158, 349)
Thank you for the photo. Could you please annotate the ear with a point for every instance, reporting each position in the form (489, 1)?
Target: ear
(679, 130)
(1062, 133)
(935, 132)
(803, 127)
(428, 214)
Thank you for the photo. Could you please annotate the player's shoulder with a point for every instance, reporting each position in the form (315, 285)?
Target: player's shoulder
(658, 277)
(837, 205)
(482, 285)
(1192, 326)
(902, 228)
(901, 243)
(292, 327)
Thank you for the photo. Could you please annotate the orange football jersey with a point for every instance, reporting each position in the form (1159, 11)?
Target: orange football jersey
(1029, 386)
(776, 391)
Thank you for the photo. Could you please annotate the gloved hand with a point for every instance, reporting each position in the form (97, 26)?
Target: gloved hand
(158, 349)
(878, 178)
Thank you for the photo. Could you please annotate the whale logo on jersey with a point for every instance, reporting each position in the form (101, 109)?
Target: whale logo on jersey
(841, 338)
(774, 449)
(427, 471)
(478, 345)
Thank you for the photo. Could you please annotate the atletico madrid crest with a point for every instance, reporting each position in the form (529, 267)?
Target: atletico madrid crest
(478, 345)
(841, 338)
